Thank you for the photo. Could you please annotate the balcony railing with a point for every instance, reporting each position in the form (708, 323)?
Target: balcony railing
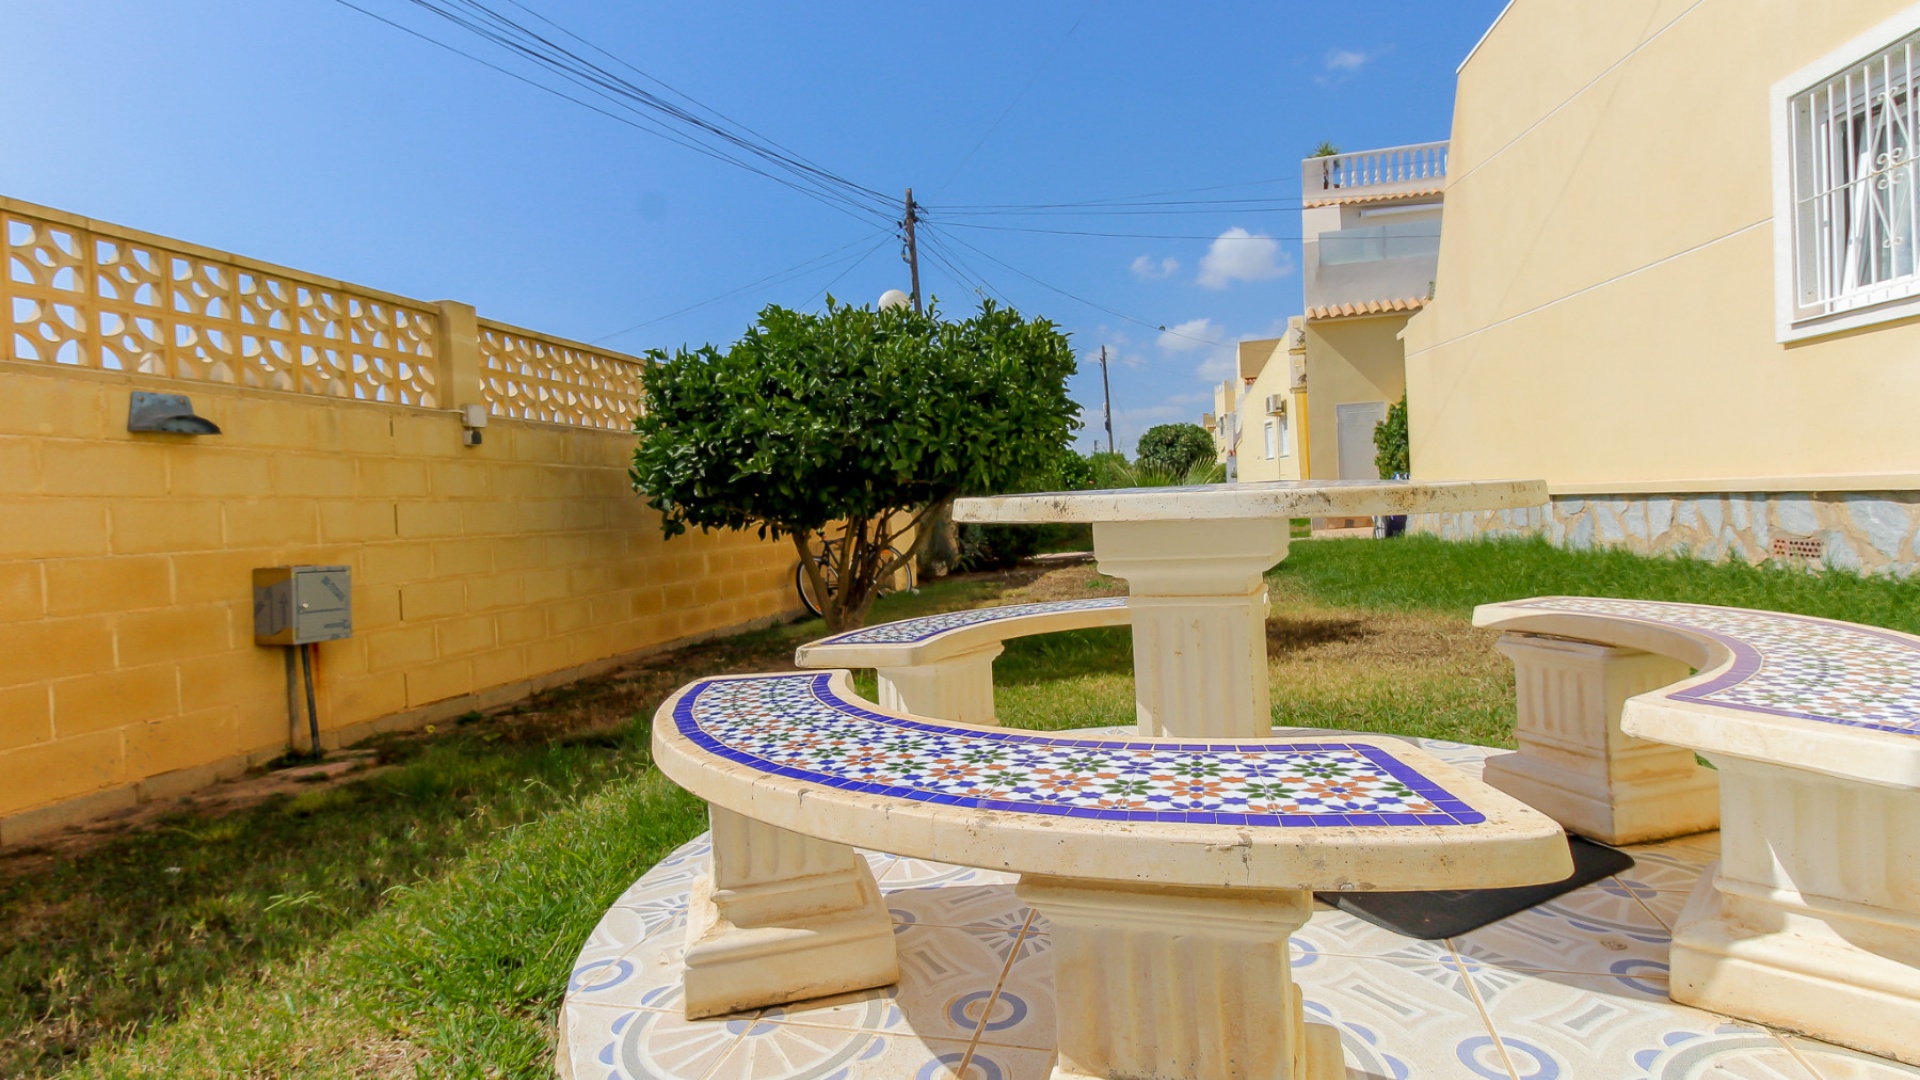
(1419, 167)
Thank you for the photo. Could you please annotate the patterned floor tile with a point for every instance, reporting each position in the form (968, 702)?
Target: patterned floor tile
(947, 977)
(1333, 932)
(1593, 930)
(1838, 1063)
(958, 905)
(646, 1044)
(1007, 1063)
(1397, 1021)
(923, 873)
(1407, 1010)
(1021, 1014)
(1578, 1026)
(634, 977)
(621, 928)
(1663, 879)
(879, 862)
(1466, 757)
(768, 1050)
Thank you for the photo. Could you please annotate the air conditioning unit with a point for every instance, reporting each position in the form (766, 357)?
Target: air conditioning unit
(1276, 404)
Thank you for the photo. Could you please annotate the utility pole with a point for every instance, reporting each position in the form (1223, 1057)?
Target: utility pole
(1106, 392)
(913, 250)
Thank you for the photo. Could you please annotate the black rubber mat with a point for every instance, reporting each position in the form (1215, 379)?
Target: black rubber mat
(1430, 915)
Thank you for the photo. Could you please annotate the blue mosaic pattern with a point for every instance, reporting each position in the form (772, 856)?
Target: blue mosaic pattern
(794, 726)
(1787, 665)
(914, 631)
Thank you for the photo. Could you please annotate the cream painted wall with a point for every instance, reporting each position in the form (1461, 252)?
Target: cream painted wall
(1348, 361)
(1266, 362)
(1604, 314)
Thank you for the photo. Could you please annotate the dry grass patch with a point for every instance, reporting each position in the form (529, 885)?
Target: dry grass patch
(1352, 669)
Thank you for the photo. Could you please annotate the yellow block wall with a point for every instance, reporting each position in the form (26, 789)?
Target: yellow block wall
(126, 651)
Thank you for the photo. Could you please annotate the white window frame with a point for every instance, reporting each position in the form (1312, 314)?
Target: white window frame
(1897, 298)
(1273, 440)
(1286, 435)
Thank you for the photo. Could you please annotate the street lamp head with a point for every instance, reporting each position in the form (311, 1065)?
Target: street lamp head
(894, 298)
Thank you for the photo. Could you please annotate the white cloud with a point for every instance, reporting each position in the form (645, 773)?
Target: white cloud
(1119, 348)
(1146, 269)
(1238, 255)
(1221, 364)
(1128, 424)
(1343, 64)
(1346, 59)
(1193, 334)
(1218, 347)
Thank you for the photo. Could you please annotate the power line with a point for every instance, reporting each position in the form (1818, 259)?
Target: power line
(655, 81)
(502, 30)
(965, 275)
(1117, 199)
(1089, 303)
(791, 271)
(855, 265)
(1140, 210)
(1137, 236)
(1017, 98)
(643, 110)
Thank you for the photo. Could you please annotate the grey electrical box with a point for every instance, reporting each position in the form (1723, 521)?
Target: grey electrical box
(297, 605)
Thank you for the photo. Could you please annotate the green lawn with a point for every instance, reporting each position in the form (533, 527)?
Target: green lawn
(421, 922)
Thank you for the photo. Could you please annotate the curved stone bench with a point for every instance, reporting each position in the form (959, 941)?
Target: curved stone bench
(1188, 861)
(942, 665)
(1812, 920)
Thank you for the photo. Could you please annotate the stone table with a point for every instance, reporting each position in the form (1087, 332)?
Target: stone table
(1195, 560)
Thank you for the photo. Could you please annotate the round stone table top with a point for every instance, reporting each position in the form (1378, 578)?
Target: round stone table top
(1262, 499)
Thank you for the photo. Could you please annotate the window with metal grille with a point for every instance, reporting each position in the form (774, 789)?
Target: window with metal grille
(1854, 196)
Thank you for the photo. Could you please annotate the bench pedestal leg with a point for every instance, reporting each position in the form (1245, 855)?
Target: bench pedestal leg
(783, 918)
(1179, 984)
(1197, 597)
(1811, 919)
(959, 688)
(1575, 764)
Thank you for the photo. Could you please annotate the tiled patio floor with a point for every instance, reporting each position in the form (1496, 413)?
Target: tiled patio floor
(1572, 989)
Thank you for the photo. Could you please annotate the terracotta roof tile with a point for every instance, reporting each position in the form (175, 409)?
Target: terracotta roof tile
(1334, 196)
(1370, 307)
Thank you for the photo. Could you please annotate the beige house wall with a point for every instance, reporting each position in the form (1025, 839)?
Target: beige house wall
(1267, 363)
(1349, 361)
(1604, 315)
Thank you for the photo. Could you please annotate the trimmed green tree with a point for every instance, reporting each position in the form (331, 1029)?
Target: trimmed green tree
(864, 421)
(1393, 455)
(1174, 448)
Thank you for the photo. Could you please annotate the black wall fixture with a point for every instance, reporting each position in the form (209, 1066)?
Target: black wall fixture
(170, 413)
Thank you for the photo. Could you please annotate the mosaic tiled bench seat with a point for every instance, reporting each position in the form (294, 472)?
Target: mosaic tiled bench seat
(1812, 919)
(942, 665)
(1172, 872)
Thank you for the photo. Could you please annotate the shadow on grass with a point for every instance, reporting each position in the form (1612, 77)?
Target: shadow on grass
(103, 939)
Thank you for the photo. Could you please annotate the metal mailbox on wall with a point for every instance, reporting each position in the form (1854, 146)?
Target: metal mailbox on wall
(298, 605)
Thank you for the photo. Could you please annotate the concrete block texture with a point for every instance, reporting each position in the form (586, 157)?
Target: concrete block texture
(127, 664)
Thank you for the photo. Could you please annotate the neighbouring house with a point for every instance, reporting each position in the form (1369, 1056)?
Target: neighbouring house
(1262, 405)
(1304, 406)
(1371, 228)
(1679, 279)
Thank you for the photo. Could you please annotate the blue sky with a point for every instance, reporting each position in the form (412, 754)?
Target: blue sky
(308, 134)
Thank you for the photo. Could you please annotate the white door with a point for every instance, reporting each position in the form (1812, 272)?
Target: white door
(1354, 425)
